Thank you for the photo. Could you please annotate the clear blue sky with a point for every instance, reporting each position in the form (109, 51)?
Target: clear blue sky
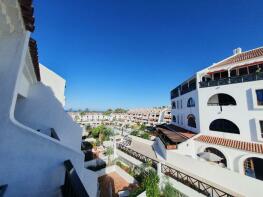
(131, 53)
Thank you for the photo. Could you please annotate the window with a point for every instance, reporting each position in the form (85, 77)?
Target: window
(253, 69)
(216, 76)
(221, 100)
(178, 105)
(191, 121)
(261, 127)
(173, 105)
(233, 73)
(174, 118)
(243, 71)
(181, 104)
(178, 119)
(190, 102)
(182, 120)
(223, 125)
(224, 74)
(259, 96)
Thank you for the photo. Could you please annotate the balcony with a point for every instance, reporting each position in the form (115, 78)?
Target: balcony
(232, 80)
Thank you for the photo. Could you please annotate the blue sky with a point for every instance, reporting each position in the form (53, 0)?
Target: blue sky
(131, 53)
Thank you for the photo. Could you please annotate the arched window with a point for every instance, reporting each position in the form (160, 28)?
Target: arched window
(221, 99)
(218, 153)
(173, 105)
(253, 167)
(223, 125)
(190, 102)
(191, 121)
(174, 118)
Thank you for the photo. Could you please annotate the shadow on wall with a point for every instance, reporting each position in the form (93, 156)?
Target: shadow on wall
(253, 130)
(41, 110)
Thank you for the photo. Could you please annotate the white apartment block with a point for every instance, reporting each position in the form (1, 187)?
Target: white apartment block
(149, 117)
(40, 144)
(220, 110)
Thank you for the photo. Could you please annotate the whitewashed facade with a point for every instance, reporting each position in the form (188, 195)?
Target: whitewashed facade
(37, 135)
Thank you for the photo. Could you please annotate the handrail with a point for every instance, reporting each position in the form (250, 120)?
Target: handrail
(232, 80)
(2, 190)
(194, 183)
(137, 155)
(72, 185)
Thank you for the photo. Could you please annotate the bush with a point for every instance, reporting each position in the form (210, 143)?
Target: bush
(145, 136)
(136, 192)
(151, 184)
(169, 191)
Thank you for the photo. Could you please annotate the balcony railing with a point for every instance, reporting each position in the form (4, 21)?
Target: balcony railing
(137, 155)
(193, 183)
(2, 190)
(73, 186)
(232, 80)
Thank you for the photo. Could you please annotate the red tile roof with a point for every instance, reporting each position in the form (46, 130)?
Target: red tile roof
(240, 57)
(34, 57)
(27, 11)
(246, 146)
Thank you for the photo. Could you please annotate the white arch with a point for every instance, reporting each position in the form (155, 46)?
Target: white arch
(242, 160)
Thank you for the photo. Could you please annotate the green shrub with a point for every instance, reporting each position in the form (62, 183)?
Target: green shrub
(151, 183)
(169, 191)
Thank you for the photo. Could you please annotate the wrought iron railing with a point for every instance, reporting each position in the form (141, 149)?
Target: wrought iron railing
(73, 187)
(194, 183)
(2, 190)
(232, 80)
(137, 155)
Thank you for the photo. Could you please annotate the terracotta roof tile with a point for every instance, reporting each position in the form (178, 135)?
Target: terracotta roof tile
(34, 57)
(27, 11)
(240, 57)
(246, 146)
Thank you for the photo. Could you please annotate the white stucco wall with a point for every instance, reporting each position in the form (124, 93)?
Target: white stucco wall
(54, 81)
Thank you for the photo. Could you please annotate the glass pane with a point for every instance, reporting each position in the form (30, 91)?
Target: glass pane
(259, 96)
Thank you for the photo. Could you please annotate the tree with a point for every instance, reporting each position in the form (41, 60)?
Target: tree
(151, 183)
(169, 191)
(120, 110)
(109, 152)
(82, 113)
(108, 112)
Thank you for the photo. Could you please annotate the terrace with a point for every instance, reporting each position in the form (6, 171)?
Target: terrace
(241, 74)
(172, 135)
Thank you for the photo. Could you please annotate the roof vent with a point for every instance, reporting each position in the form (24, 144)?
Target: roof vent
(237, 51)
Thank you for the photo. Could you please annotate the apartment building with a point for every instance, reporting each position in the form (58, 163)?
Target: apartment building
(149, 117)
(219, 110)
(40, 144)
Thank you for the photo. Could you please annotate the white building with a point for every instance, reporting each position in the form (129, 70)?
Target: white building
(220, 110)
(39, 141)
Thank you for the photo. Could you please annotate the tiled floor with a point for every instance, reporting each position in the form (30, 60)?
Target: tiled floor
(117, 183)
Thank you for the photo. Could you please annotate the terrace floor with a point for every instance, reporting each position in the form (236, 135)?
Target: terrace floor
(116, 182)
(144, 149)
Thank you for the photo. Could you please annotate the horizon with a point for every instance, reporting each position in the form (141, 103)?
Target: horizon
(132, 54)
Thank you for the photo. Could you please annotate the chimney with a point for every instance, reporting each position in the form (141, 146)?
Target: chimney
(237, 51)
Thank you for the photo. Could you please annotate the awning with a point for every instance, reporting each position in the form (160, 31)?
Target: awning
(209, 156)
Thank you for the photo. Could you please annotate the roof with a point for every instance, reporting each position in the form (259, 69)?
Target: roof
(245, 146)
(27, 11)
(254, 53)
(34, 57)
(174, 133)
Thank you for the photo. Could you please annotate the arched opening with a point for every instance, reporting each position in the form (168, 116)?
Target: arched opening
(221, 100)
(190, 102)
(191, 121)
(223, 125)
(217, 152)
(253, 167)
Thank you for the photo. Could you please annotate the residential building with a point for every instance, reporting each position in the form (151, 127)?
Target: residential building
(219, 110)
(40, 144)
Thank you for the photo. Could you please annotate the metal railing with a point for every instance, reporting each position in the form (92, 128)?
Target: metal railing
(137, 155)
(193, 183)
(232, 80)
(2, 190)
(73, 187)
